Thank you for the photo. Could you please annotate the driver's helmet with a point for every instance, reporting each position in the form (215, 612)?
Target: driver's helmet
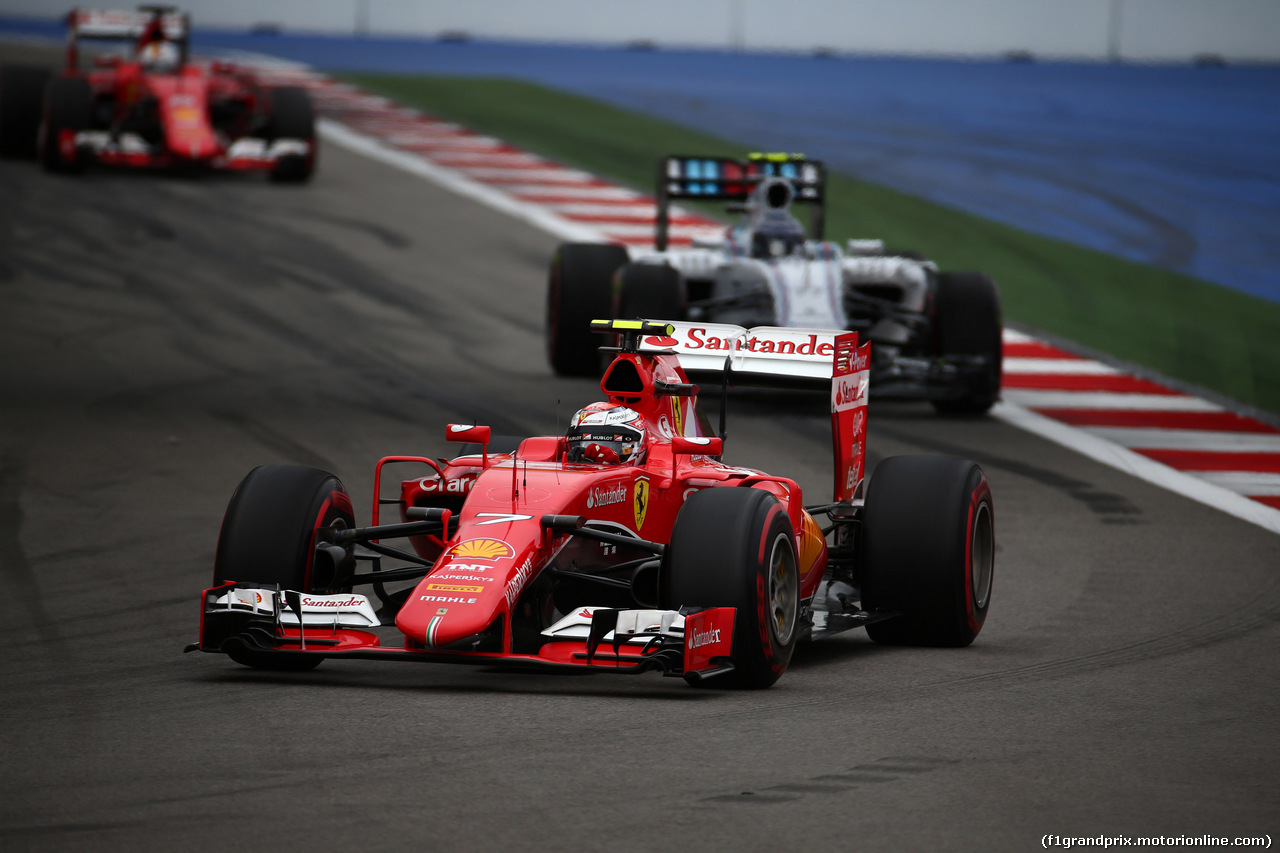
(774, 231)
(777, 239)
(159, 56)
(606, 434)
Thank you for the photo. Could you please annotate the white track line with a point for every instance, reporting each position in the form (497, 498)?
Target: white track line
(453, 142)
(1244, 482)
(1200, 489)
(533, 214)
(538, 175)
(1012, 336)
(1189, 439)
(462, 158)
(639, 210)
(625, 229)
(1107, 400)
(1062, 366)
(541, 191)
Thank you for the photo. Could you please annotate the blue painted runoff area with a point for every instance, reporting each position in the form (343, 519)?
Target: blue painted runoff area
(1176, 166)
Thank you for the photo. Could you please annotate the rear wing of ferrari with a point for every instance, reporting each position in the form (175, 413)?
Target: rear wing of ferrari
(131, 25)
(725, 179)
(781, 356)
(762, 355)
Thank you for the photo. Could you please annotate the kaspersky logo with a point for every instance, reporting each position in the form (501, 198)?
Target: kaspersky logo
(482, 549)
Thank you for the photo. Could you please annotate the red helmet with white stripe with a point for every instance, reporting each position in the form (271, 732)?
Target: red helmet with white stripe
(606, 434)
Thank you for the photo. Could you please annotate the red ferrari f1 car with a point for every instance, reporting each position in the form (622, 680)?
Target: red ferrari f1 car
(149, 106)
(625, 545)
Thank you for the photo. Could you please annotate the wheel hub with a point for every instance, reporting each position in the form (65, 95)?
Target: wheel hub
(784, 590)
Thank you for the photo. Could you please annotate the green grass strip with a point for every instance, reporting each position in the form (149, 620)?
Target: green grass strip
(1186, 328)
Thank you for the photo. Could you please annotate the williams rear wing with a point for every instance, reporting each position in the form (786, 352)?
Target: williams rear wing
(785, 357)
(724, 179)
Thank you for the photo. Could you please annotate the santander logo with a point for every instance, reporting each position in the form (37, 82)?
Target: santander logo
(354, 601)
(704, 638)
(698, 338)
(606, 495)
(849, 392)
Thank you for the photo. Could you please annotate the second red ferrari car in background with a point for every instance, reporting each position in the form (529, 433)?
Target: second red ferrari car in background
(143, 103)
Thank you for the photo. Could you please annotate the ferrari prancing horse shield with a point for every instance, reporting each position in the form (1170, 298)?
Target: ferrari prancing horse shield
(641, 502)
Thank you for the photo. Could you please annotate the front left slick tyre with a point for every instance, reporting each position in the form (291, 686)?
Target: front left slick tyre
(268, 537)
(68, 110)
(21, 105)
(735, 547)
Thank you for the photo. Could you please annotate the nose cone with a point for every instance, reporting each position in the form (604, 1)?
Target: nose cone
(473, 584)
(438, 618)
(187, 131)
(193, 142)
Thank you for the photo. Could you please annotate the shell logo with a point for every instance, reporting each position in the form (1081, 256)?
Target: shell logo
(483, 549)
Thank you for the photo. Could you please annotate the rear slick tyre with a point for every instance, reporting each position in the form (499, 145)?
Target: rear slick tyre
(928, 550)
(970, 324)
(268, 537)
(649, 292)
(734, 547)
(579, 290)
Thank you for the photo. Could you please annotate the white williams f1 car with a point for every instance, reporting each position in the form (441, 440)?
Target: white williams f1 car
(937, 334)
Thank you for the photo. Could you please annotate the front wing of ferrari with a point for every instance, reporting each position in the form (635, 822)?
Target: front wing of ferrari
(129, 150)
(695, 646)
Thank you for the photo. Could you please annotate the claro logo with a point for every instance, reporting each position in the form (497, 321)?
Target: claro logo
(462, 485)
(704, 638)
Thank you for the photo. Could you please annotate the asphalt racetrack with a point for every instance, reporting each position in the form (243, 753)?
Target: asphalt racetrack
(162, 335)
